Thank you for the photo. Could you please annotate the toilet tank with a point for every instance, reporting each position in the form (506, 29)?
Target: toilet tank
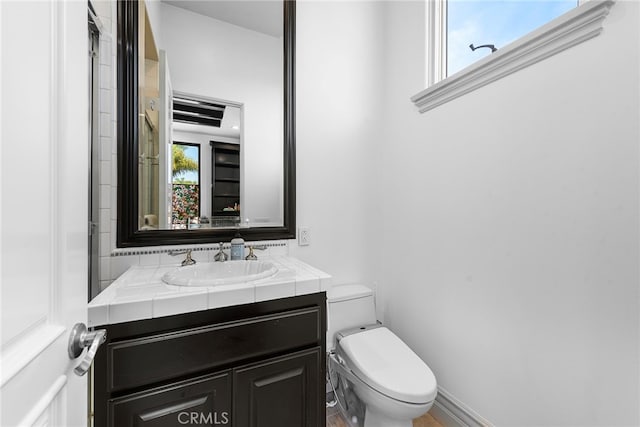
(349, 306)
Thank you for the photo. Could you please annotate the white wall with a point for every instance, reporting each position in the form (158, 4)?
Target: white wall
(154, 11)
(516, 276)
(339, 71)
(212, 58)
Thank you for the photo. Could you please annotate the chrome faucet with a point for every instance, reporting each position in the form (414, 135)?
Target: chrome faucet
(221, 256)
(188, 260)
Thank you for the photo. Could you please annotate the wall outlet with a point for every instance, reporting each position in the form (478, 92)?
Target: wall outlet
(304, 236)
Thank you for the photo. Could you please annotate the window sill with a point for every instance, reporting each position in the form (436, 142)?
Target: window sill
(574, 27)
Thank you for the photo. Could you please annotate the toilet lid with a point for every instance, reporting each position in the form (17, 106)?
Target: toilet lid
(384, 362)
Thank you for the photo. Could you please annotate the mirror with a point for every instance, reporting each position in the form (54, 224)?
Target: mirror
(205, 121)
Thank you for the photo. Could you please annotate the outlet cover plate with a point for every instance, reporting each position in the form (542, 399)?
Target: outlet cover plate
(304, 236)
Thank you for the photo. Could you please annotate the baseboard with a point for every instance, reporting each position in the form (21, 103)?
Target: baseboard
(450, 412)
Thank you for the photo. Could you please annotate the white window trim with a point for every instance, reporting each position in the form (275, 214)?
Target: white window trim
(574, 27)
(436, 40)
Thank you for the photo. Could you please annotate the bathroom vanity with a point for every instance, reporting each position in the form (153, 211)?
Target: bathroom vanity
(258, 363)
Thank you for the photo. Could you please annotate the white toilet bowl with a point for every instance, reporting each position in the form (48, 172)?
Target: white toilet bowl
(395, 385)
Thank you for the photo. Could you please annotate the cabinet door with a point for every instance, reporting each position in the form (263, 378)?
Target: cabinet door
(280, 392)
(201, 401)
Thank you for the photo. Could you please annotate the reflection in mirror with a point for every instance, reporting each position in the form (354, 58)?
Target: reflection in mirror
(212, 51)
(214, 99)
(214, 127)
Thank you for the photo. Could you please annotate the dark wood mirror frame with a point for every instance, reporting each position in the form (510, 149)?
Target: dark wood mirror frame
(128, 234)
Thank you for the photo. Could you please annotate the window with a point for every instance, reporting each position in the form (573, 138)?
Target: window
(185, 203)
(491, 22)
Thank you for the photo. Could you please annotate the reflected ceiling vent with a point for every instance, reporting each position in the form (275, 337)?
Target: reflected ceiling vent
(189, 110)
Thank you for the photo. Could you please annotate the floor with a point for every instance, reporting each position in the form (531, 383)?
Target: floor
(334, 419)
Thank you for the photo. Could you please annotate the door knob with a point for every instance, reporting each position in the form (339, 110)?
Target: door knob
(79, 339)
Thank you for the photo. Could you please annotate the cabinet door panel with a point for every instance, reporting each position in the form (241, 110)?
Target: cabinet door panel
(280, 392)
(202, 401)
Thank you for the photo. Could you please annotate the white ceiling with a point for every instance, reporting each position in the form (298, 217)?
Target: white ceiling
(264, 16)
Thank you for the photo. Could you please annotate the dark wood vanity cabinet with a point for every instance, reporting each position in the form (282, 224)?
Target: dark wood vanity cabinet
(258, 365)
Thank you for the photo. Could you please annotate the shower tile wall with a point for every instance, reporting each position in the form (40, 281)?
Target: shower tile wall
(107, 13)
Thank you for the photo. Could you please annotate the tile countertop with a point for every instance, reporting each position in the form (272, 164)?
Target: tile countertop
(140, 293)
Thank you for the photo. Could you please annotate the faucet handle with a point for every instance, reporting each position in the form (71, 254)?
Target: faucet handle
(220, 256)
(188, 260)
(251, 256)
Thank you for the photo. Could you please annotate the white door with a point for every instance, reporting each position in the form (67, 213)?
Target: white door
(43, 215)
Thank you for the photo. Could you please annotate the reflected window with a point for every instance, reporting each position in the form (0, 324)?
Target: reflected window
(185, 200)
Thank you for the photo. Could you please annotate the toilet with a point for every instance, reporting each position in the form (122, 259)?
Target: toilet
(371, 367)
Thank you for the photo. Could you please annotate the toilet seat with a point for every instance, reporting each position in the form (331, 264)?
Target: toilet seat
(386, 364)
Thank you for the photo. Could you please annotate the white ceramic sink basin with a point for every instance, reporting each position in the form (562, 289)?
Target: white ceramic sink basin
(219, 273)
